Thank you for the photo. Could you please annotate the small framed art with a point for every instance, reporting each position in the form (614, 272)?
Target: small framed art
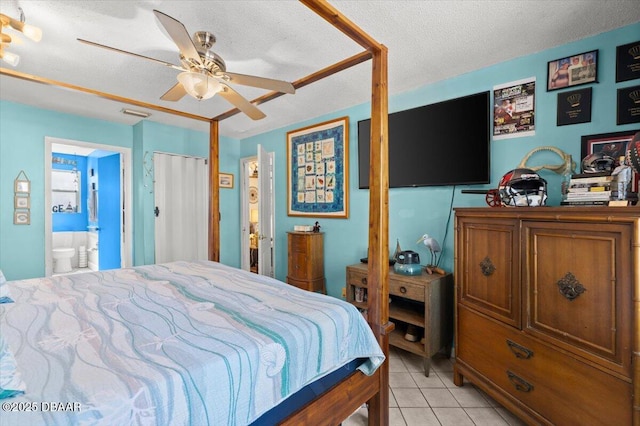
(628, 62)
(574, 70)
(628, 105)
(21, 202)
(22, 186)
(226, 180)
(574, 107)
(21, 217)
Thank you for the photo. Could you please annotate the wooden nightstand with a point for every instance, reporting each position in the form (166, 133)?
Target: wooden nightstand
(423, 300)
(306, 261)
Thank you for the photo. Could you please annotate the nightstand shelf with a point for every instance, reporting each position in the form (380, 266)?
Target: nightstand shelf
(424, 300)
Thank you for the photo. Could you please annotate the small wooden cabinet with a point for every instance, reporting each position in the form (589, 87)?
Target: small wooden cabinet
(306, 261)
(423, 300)
(546, 321)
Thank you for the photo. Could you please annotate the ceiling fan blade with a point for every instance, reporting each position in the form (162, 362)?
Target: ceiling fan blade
(261, 82)
(241, 103)
(179, 35)
(168, 64)
(176, 93)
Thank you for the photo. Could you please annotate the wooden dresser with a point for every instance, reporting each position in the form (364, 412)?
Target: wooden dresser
(425, 301)
(306, 260)
(547, 311)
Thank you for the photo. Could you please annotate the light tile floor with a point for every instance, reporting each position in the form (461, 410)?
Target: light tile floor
(416, 400)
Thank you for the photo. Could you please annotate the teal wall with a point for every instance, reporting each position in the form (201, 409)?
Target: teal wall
(413, 211)
(22, 133)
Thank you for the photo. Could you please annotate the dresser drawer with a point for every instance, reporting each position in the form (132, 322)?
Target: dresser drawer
(298, 243)
(357, 277)
(563, 389)
(398, 287)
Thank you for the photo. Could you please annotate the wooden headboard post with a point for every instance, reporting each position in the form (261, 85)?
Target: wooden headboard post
(378, 265)
(214, 190)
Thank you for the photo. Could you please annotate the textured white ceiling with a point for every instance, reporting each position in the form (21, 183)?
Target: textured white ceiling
(428, 41)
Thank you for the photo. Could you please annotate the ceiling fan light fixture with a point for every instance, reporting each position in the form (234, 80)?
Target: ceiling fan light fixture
(199, 85)
(10, 58)
(30, 31)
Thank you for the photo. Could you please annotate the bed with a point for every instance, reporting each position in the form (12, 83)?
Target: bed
(197, 343)
(356, 388)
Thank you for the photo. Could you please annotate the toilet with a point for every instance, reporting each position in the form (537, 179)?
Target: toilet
(62, 259)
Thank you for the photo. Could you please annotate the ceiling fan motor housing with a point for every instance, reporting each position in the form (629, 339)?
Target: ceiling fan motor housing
(211, 62)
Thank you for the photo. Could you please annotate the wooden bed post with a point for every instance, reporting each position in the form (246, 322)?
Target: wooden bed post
(214, 191)
(378, 266)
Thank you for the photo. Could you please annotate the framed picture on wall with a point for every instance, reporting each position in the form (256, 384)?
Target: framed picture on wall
(628, 105)
(574, 107)
(581, 68)
(23, 186)
(318, 170)
(613, 145)
(21, 217)
(628, 62)
(226, 180)
(21, 202)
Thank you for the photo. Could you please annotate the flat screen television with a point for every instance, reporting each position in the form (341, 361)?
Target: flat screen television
(446, 143)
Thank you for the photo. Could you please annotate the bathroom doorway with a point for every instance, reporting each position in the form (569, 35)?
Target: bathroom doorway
(100, 198)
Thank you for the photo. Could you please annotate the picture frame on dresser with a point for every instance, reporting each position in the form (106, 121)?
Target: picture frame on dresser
(613, 144)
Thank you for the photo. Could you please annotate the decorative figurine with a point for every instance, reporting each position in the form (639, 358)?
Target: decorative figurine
(623, 177)
(316, 227)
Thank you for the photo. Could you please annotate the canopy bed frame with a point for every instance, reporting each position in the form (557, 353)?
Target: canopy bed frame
(343, 399)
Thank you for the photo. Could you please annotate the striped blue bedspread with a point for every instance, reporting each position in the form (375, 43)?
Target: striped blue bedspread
(182, 343)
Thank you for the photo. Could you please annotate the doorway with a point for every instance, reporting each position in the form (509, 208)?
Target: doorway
(257, 213)
(181, 188)
(108, 242)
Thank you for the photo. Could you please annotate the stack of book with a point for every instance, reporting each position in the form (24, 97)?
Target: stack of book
(589, 189)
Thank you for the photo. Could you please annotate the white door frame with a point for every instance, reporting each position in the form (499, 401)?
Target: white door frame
(126, 189)
(266, 230)
(244, 212)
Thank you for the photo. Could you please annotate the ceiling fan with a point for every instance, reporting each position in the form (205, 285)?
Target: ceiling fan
(203, 72)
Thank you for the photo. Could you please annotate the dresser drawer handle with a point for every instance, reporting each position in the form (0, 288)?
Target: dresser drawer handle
(403, 290)
(519, 383)
(364, 280)
(519, 351)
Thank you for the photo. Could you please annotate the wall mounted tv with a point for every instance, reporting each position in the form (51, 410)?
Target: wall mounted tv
(445, 143)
